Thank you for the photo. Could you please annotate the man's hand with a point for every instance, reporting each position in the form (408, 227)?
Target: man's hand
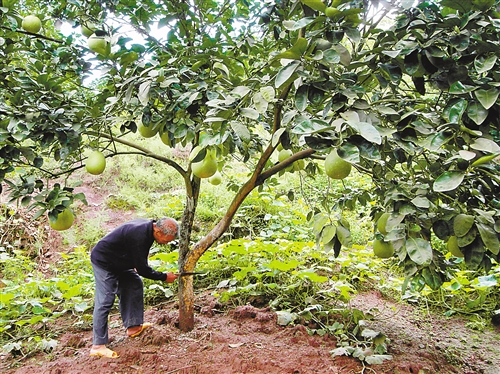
(171, 277)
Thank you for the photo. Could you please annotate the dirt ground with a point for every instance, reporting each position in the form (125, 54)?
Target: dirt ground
(248, 339)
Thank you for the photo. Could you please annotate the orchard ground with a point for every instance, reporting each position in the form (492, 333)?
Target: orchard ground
(247, 339)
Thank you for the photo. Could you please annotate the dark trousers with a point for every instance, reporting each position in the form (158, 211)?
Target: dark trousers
(127, 285)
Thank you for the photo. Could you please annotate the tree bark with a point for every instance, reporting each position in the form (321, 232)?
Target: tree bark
(186, 291)
(186, 303)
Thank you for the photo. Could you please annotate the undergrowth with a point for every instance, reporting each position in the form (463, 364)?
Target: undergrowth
(267, 258)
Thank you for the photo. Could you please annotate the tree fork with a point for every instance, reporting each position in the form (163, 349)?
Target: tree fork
(188, 258)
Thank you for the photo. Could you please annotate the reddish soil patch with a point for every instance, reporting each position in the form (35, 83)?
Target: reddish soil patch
(248, 340)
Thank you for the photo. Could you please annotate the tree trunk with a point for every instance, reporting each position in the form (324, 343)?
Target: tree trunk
(186, 292)
(186, 303)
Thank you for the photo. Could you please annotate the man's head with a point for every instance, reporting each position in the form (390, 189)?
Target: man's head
(165, 230)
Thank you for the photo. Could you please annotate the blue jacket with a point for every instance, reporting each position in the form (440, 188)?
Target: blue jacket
(127, 247)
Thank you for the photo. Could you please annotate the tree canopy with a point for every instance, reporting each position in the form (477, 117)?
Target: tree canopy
(406, 93)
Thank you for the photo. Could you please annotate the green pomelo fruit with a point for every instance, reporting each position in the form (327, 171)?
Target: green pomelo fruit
(382, 223)
(284, 154)
(216, 179)
(205, 168)
(87, 29)
(146, 131)
(299, 165)
(453, 248)
(382, 249)
(31, 24)
(98, 44)
(336, 167)
(96, 163)
(64, 220)
(165, 139)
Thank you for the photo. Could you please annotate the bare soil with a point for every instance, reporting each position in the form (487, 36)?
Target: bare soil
(248, 339)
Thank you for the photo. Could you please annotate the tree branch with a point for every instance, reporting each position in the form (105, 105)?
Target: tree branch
(255, 180)
(38, 36)
(144, 151)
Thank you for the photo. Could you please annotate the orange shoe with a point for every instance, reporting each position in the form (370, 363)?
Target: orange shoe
(103, 352)
(144, 326)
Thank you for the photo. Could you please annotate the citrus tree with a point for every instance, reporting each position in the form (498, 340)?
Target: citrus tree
(411, 102)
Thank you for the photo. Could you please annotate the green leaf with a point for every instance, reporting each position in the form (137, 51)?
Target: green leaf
(276, 136)
(441, 229)
(285, 317)
(377, 359)
(313, 276)
(72, 291)
(344, 236)
(301, 23)
(315, 4)
(392, 71)
(486, 281)
(268, 93)
(421, 202)
(489, 237)
(477, 112)
(283, 266)
(286, 73)
(249, 113)
(345, 56)
(81, 307)
(241, 130)
(462, 6)
(6, 297)
(459, 88)
(484, 64)
(301, 97)
(328, 233)
(474, 254)
(435, 141)
(485, 145)
(448, 181)
(462, 223)
(331, 56)
(367, 131)
(260, 103)
(484, 160)
(308, 126)
(143, 93)
(419, 250)
(320, 220)
(432, 279)
(454, 110)
(460, 42)
(467, 239)
(386, 110)
(487, 98)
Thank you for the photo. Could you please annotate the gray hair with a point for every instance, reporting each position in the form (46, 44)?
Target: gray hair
(168, 226)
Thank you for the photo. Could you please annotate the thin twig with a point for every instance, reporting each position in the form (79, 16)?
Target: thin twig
(199, 340)
(179, 369)
(39, 36)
